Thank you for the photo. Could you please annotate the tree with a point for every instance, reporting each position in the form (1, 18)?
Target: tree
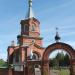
(53, 62)
(2, 63)
(66, 60)
(61, 59)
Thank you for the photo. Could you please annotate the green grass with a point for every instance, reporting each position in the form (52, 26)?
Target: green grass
(64, 72)
(61, 72)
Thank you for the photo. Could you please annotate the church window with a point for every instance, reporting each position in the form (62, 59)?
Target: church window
(25, 28)
(35, 56)
(33, 28)
(17, 57)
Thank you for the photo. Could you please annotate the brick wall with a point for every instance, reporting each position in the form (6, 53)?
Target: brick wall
(3, 71)
(6, 72)
(18, 73)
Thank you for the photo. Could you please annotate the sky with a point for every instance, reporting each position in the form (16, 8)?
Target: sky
(50, 13)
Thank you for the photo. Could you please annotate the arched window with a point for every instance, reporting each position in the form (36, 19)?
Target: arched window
(25, 28)
(35, 56)
(33, 28)
(16, 57)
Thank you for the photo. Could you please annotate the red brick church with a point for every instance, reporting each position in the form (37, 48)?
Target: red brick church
(28, 38)
(29, 50)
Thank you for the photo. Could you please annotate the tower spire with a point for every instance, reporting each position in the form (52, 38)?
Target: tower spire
(30, 12)
(57, 37)
(30, 3)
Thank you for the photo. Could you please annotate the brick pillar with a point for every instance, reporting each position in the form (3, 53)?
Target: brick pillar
(72, 67)
(10, 71)
(45, 68)
(30, 69)
(25, 60)
(25, 70)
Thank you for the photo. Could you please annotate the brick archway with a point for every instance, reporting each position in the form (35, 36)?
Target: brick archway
(52, 47)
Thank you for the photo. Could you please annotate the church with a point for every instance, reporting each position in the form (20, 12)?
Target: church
(29, 52)
(30, 44)
(29, 48)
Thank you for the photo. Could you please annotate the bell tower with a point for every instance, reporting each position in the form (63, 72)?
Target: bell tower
(29, 43)
(30, 27)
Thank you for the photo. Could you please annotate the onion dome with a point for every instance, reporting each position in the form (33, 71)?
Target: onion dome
(57, 37)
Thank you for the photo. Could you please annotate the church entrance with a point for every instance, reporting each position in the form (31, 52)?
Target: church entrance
(37, 69)
(46, 66)
(34, 67)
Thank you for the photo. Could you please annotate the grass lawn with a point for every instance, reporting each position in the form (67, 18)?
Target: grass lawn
(60, 72)
(64, 72)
